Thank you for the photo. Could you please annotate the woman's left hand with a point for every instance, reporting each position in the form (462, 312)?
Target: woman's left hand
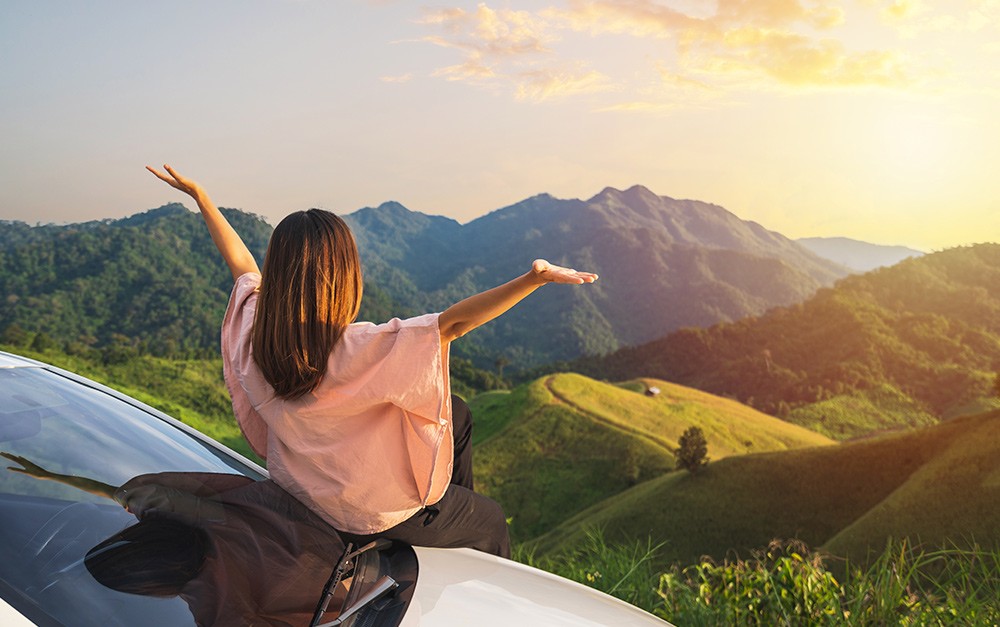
(175, 180)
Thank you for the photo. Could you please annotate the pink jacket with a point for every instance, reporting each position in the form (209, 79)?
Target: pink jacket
(372, 444)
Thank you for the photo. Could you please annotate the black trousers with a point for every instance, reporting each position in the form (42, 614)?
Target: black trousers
(462, 518)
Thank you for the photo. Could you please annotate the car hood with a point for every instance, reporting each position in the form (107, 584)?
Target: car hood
(463, 587)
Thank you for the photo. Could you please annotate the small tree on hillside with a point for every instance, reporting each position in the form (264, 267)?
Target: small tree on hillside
(500, 363)
(692, 450)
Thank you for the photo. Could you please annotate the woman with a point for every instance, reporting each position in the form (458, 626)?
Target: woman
(355, 420)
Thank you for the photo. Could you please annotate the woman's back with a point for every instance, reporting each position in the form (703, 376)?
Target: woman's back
(371, 444)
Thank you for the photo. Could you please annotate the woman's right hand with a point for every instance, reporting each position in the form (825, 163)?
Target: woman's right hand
(546, 272)
(175, 180)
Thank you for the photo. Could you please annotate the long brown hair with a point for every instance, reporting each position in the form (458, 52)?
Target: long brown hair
(310, 291)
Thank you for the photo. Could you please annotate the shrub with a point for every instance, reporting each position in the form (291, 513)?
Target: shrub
(692, 450)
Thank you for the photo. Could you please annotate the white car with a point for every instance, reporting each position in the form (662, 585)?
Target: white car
(112, 513)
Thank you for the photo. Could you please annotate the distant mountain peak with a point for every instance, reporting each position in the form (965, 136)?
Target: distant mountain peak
(395, 209)
(635, 191)
(164, 211)
(393, 206)
(607, 192)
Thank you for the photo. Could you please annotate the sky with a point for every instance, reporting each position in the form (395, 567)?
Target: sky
(870, 119)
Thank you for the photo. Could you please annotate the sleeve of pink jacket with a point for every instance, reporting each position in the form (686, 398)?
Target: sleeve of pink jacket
(235, 352)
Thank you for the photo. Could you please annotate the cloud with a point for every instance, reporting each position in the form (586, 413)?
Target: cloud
(792, 59)
(776, 13)
(757, 43)
(471, 69)
(630, 17)
(913, 18)
(509, 49)
(775, 40)
(545, 84)
(489, 31)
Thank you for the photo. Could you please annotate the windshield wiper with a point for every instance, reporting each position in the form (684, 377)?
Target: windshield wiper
(382, 586)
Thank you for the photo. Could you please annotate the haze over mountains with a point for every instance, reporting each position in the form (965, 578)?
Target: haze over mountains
(856, 255)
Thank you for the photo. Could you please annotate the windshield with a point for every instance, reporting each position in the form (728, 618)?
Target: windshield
(112, 516)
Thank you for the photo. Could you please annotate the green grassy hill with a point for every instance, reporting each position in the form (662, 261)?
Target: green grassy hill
(955, 496)
(555, 446)
(934, 484)
(880, 408)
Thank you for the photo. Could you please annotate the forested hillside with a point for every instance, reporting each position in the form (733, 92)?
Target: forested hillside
(903, 345)
(152, 283)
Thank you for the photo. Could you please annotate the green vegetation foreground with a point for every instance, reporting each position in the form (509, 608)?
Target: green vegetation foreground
(786, 584)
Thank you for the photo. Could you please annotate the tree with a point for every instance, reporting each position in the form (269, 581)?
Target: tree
(500, 363)
(692, 450)
(42, 342)
(14, 335)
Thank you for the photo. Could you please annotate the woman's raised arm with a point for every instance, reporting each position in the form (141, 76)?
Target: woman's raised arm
(477, 310)
(233, 250)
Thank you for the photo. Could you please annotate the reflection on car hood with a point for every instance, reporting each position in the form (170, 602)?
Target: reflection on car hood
(463, 587)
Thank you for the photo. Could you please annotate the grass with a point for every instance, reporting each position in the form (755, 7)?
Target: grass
(788, 584)
(549, 462)
(954, 495)
(730, 427)
(562, 443)
(933, 483)
(863, 412)
(975, 406)
(624, 570)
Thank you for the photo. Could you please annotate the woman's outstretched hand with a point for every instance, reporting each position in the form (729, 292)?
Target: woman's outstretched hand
(175, 180)
(29, 468)
(549, 273)
(233, 250)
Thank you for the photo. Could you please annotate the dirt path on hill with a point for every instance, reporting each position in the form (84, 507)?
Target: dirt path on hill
(604, 421)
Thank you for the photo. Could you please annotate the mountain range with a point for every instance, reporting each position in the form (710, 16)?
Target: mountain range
(664, 264)
(154, 279)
